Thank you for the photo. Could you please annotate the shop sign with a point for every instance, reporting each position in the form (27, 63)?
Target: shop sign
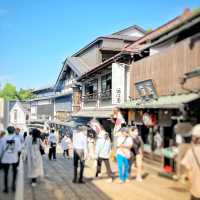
(146, 89)
(118, 83)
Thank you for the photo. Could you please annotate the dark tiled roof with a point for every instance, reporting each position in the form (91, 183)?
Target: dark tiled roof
(78, 65)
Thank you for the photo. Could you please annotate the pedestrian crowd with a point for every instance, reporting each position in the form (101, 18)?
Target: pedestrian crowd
(127, 146)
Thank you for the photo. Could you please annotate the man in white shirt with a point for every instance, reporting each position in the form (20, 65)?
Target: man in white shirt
(9, 156)
(191, 162)
(52, 145)
(19, 137)
(80, 151)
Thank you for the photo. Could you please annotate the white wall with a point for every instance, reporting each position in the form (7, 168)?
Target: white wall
(20, 121)
(118, 83)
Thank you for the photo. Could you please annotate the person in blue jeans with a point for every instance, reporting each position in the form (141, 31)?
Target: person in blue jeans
(123, 154)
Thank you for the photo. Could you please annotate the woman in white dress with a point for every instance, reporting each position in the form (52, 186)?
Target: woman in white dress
(34, 158)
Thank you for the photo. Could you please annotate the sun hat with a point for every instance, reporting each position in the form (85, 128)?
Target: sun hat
(196, 131)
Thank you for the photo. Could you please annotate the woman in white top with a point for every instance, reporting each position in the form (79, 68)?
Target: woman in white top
(123, 154)
(9, 149)
(66, 144)
(34, 158)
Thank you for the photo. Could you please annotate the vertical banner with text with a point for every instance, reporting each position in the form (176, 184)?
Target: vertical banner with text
(118, 83)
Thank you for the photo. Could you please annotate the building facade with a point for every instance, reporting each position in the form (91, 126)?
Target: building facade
(160, 96)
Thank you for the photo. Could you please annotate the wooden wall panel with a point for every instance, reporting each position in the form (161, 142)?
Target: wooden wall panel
(166, 68)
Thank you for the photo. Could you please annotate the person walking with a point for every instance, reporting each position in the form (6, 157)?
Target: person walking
(123, 154)
(191, 162)
(19, 137)
(52, 145)
(33, 144)
(80, 152)
(102, 153)
(91, 144)
(137, 154)
(66, 145)
(9, 149)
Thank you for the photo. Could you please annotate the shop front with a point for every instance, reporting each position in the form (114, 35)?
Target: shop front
(156, 121)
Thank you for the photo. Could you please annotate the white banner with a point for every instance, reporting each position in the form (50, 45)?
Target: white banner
(118, 83)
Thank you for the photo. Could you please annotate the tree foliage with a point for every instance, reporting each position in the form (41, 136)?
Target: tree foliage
(24, 94)
(9, 92)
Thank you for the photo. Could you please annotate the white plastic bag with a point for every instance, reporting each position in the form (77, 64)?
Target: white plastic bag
(19, 195)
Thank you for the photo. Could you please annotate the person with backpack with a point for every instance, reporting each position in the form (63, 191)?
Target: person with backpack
(9, 149)
(102, 153)
(123, 154)
(191, 162)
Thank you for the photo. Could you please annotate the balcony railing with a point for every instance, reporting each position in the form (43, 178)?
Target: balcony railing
(106, 95)
(90, 97)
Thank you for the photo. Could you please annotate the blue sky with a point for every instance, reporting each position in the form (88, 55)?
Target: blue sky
(37, 35)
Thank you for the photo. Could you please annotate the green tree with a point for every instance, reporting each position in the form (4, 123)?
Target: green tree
(9, 92)
(149, 30)
(24, 94)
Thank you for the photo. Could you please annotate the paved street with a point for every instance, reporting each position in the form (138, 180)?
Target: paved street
(57, 185)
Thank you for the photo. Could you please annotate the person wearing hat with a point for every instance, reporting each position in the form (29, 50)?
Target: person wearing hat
(123, 154)
(9, 150)
(191, 162)
(102, 153)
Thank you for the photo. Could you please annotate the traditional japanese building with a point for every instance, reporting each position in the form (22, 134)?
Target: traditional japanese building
(42, 104)
(104, 85)
(163, 60)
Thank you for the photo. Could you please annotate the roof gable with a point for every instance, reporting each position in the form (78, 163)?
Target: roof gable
(129, 31)
(76, 64)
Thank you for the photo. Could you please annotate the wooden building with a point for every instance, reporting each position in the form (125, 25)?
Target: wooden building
(100, 86)
(161, 62)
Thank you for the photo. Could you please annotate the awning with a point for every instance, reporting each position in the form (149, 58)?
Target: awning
(100, 113)
(171, 102)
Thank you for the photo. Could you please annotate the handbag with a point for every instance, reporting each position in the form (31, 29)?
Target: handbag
(42, 150)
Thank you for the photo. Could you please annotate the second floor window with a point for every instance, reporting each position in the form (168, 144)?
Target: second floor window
(91, 87)
(106, 83)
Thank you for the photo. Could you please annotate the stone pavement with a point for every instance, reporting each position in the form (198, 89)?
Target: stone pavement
(57, 185)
